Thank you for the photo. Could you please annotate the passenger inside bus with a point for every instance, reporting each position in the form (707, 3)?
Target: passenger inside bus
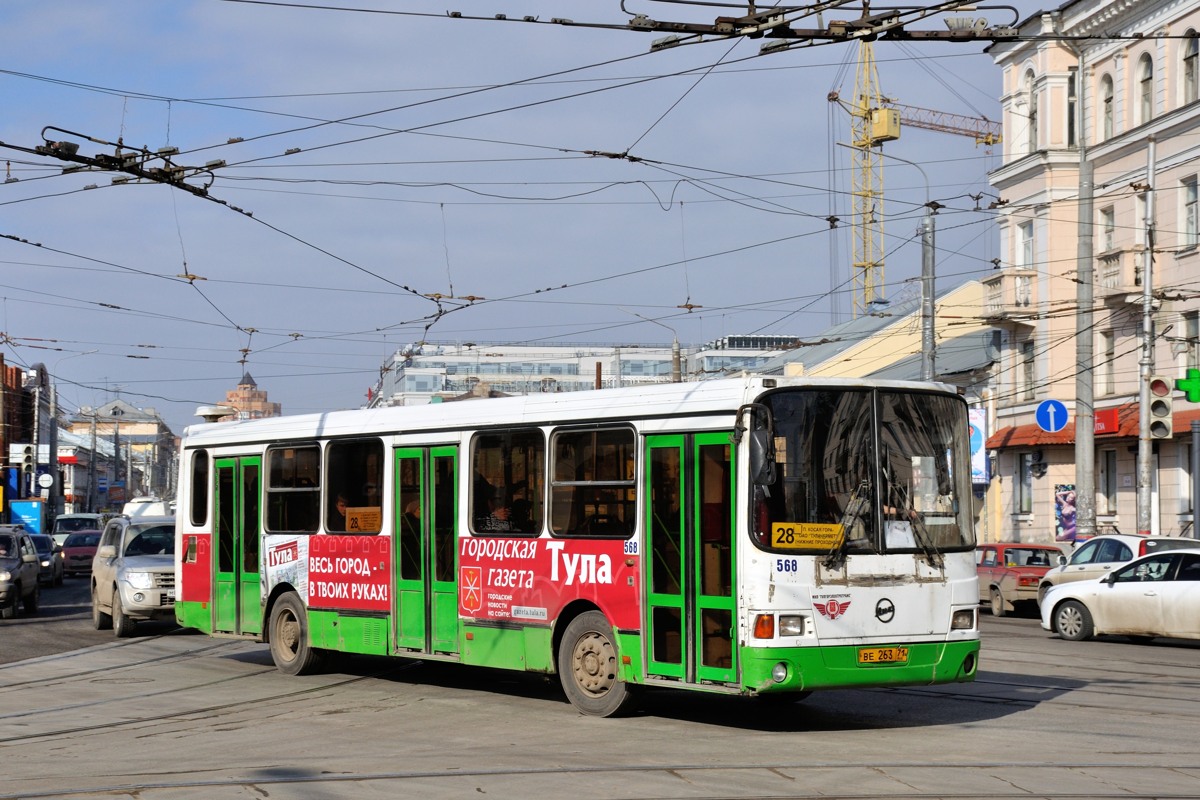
(337, 514)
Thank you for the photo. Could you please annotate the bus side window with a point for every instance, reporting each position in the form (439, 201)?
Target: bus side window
(507, 482)
(353, 477)
(293, 488)
(593, 492)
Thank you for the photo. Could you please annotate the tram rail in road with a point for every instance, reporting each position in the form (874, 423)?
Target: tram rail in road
(177, 715)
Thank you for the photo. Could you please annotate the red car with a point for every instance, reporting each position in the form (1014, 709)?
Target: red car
(1009, 573)
(78, 550)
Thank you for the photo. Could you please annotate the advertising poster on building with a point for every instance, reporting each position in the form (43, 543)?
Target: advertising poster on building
(1064, 512)
(977, 428)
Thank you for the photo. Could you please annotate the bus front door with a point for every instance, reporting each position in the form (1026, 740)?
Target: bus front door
(689, 556)
(426, 593)
(237, 596)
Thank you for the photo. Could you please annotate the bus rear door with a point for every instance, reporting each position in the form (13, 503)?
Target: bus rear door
(426, 552)
(237, 596)
(690, 605)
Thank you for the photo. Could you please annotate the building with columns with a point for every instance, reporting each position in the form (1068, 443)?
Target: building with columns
(1128, 103)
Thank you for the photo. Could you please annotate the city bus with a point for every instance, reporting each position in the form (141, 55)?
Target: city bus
(765, 536)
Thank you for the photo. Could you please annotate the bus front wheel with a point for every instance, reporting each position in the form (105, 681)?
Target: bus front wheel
(290, 650)
(588, 666)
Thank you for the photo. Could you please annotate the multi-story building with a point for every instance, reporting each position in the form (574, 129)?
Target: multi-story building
(250, 401)
(420, 374)
(144, 449)
(1125, 102)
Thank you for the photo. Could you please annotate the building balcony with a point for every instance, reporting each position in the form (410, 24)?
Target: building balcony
(1009, 295)
(1119, 275)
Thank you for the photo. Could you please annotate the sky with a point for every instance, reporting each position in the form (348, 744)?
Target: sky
(393, 178)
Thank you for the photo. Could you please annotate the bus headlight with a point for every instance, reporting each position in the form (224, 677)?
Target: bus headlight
(963, 620)
(792, 624)
(779, 672)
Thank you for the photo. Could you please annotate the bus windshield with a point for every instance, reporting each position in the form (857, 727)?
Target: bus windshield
(866, 471)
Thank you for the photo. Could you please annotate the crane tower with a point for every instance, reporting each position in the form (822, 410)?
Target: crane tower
(875, 119)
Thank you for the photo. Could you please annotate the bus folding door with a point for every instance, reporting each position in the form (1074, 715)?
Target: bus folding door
(690, 605)
(237, 603)
(426, 553)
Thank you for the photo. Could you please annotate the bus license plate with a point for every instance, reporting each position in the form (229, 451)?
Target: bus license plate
(883, 655)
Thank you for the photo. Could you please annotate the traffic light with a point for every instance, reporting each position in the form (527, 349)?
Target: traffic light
(1161, 423)
(21, 456)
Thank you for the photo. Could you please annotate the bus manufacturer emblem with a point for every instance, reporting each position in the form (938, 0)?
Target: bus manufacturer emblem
(832, 609)
(885, 611)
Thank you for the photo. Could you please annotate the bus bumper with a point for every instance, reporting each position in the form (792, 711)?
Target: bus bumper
(795, 669)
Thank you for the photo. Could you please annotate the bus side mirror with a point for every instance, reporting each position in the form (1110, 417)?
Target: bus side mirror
(762, 457)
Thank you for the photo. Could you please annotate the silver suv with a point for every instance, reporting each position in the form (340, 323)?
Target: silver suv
(133, 573)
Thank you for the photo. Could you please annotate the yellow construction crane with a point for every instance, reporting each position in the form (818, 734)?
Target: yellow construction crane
(875, 119)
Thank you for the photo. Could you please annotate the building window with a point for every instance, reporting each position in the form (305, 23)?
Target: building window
(1024, 255)
(1185, 479)
(1145, 89)
(1031, 140)
(1107, 494)
(1190, 65)
(1108, 229)
(1023, 502)
(1072, 76)
(1190, 223)
(1139, 218)
(1027, 371)
(1106, 106)
(1107, 366)
(1191, 322)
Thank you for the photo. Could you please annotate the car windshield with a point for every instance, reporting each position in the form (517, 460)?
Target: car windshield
(82, 539)
(8, 545)
(1026, 557)
(149, 540)
(72, 524)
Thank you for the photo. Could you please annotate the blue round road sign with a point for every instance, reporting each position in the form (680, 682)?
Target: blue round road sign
(1051, 416)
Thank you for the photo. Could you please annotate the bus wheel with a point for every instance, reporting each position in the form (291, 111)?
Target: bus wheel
(289, 636)
(588, 665)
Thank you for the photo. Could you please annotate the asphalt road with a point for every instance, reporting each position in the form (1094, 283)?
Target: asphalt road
(171, 714)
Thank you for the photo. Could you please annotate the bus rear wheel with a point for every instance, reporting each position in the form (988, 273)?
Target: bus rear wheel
(290, 649)
(588, 666)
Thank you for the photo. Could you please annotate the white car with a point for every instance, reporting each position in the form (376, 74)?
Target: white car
(1156, 595)
(1098, 555)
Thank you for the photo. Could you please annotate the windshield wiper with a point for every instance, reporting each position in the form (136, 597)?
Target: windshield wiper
(856, 508)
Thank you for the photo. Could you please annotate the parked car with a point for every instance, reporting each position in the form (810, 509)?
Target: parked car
(78, 551)
(18, 572)
(1010, 573)
(50, 559)
(133, 573)
(1155, 595)
(1100, 554)
(66, 524)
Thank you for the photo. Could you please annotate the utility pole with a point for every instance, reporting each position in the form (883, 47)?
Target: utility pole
(1085, 413)
(1145, 455)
